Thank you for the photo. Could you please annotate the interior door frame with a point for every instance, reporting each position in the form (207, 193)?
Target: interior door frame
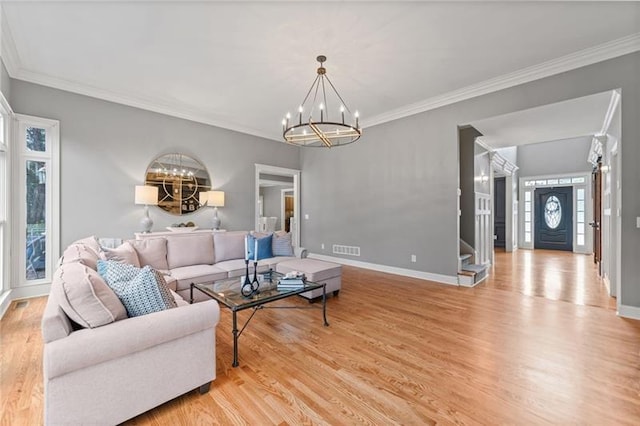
(279, 171)
(283, 194)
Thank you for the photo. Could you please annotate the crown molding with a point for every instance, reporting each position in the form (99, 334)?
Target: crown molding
(613, 105)
(602, 52)
(8, 51)
(155, 105)
(11, 59)
(591, 55)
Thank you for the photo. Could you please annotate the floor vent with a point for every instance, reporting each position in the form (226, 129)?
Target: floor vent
(22, 304)
(348, 250)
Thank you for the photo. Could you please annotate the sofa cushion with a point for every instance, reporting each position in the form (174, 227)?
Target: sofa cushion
(187, 250)
(124, 253)
(196, 274)
(179, 300)
(171, 281)
(281, 244)
(263, 245)
(271, 262)
(141, 290)
(237, 267)
(229, 245)
(92, 243)
(84, 296)
(314, 270)
(80, 253)
(152, 252)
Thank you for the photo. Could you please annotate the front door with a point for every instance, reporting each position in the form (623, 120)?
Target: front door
(554, 218)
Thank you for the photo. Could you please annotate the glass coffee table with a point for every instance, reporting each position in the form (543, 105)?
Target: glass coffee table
(228, 293)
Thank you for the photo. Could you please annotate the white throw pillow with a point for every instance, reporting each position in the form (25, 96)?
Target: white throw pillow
(124, 253)
(85, 297)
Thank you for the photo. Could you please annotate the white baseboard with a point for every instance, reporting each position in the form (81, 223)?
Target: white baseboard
(5, 301)
(632, 312)
(439, 278)
(30, 291)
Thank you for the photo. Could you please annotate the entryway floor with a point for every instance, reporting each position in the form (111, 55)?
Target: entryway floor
(552, 274)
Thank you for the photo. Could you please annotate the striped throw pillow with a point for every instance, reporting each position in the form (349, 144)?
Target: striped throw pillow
(281, 245)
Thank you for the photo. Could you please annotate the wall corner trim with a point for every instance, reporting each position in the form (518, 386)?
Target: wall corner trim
(5, 301)
(429, 276)
(631, 312)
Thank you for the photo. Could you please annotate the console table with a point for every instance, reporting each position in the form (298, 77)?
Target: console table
(143, 235)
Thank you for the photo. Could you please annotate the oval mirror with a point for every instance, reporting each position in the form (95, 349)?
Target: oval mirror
(179, 179)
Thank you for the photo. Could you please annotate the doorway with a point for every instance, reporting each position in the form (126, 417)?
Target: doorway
(273, 179)
(499, 212)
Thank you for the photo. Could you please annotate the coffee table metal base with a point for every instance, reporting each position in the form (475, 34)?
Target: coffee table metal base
(234, 312)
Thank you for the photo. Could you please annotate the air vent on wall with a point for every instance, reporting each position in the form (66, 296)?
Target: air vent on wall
(348, 250)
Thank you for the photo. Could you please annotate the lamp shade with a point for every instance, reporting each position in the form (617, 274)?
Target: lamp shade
(147, 195)
(216, 198)
(203, 197)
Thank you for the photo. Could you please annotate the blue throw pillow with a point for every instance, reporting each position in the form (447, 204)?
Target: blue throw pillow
(264, 247)
(141, 290)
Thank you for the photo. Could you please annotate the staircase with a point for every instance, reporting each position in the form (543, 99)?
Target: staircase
(469, 273)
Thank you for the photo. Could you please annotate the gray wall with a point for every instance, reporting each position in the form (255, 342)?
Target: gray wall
(105, 151)
(5, 81)
(556, 157)
(393, 193)
(467, 173)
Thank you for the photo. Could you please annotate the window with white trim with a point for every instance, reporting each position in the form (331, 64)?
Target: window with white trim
(528, 206)
(37, 205)
(580, 217)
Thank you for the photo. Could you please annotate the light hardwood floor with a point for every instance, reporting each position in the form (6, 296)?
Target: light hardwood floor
(400, 351)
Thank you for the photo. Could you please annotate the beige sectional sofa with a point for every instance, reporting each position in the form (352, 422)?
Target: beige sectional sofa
(101, 367)
(195, 257)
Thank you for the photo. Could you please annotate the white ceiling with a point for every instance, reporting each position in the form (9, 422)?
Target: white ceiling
(243, 65)
(580, 117)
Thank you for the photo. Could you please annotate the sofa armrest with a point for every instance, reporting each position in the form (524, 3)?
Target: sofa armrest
(300, 252)
(87, 347)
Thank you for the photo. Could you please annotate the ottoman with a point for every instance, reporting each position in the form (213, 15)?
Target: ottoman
(317, 271)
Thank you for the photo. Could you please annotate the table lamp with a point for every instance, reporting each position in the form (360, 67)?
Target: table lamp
(147, 195)
(213, 199)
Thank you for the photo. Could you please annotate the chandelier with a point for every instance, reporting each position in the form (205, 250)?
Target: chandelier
(314, 126)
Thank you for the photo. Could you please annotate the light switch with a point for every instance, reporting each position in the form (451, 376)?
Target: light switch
(638, 222)
(306, 216)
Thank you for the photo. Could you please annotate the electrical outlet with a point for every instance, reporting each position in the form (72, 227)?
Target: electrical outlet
(638, 222)
(413, 258)
(322, 246)
(306, 217)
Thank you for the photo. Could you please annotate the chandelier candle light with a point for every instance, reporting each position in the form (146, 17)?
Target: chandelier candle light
(328, 131)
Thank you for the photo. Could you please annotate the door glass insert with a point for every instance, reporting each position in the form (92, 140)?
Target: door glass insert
(552, 212)
(36, 139)
(36, 219)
